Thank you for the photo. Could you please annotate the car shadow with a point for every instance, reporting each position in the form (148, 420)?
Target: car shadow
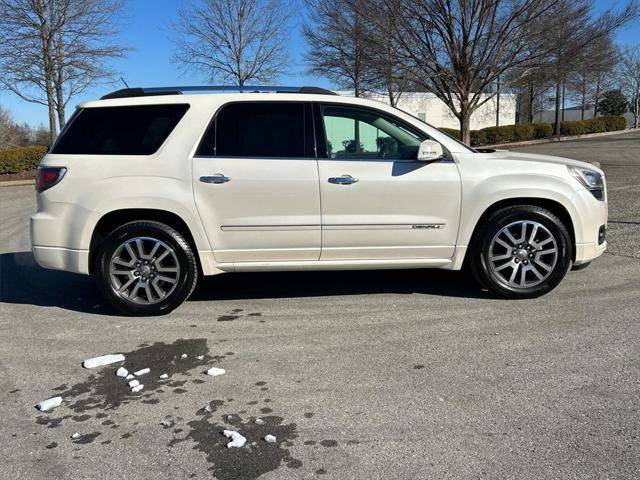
(22, 281)
(278, 285)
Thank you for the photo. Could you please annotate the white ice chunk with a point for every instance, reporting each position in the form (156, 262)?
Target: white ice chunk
(103, 360)
(200, 357)
(137, 388)
(259, 421)
(237, 440)
(214, 372)
(183, 356)
(129, 377)
(144, 371)
(122, 372)
(76, 436)
(133, 383)
(167, 422)
(270, 439)
(164, 376)
(49, 404)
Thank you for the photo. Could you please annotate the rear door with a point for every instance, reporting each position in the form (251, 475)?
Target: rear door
(378, 201)
(255, 182)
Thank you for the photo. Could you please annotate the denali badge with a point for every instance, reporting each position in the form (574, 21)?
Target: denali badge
(430, 226)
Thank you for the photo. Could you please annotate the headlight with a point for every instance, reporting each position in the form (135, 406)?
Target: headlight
(589, 179)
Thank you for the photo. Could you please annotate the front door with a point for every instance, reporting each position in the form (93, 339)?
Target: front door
(378, 201)
(256, 183)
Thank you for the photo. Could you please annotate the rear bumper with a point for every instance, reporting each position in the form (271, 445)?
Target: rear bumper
(58, 258)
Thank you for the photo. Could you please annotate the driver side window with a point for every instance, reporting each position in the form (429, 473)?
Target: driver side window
(363, 134)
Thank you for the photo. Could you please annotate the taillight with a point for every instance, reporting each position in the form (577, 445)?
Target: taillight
(47, 177)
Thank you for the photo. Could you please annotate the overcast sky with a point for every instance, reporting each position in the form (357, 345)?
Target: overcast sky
(147, 31)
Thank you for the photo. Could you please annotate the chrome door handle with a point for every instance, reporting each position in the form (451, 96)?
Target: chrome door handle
(217, 178)
(343, 180)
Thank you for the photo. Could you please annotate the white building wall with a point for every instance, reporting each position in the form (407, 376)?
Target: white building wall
(431, 109)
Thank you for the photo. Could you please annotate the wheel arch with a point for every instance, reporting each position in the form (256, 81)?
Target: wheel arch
(113, 219)
(555, 207)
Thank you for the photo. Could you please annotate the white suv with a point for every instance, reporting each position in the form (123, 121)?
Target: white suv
(148, 189)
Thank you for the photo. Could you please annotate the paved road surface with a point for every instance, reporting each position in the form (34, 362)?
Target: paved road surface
(366, 375)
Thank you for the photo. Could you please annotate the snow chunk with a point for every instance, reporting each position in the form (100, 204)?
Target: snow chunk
(259, 421)
(76, 436)
(237, 440)
(200, 357)
(122, 372)
(133, 383)
(49, 404)
(214, 372)
(164, 376)
(270, 439)
(144, 371)
(103, 360)
(183, 356)
(167, 422)
(137, 388)
(129, 377)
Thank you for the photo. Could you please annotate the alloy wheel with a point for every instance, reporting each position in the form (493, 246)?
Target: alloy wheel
(144, 270)
(523, 254)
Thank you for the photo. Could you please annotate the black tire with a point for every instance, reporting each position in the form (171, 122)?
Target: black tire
(582, 266)
(181, 258)
(484, 248)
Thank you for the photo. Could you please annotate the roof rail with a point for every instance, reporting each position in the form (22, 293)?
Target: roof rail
(150, 91)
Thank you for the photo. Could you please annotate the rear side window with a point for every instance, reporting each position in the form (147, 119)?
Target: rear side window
(130, 130)
(261, 129)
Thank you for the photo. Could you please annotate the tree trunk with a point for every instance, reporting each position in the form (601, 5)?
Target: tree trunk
(465, 130)
(498, 103)
(596, 100)
(557, 116)
(60, 105)
(563, 90)
(532, 100)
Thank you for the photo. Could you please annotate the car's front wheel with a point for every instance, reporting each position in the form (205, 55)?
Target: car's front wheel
(146, 268)
(522, 251)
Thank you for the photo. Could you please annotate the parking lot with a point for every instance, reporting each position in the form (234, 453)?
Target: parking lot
(359, 375)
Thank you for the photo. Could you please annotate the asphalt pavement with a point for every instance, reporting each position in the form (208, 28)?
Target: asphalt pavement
(359, 375)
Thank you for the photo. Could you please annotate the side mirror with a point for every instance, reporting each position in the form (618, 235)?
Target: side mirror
(430, 150)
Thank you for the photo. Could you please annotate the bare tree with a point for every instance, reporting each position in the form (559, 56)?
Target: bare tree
(337, 37)
(593, 72)
(458, 48)
(629, 75)
(52, 50)
(9, 134)
(234, 40)
(571, 28)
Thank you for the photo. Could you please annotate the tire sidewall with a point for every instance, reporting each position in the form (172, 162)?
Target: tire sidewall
(186, 279)
(502, 219)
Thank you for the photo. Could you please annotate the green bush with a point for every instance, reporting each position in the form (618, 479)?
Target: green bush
(22, 159)
(614, 123)
(478, 137)
(542, 130)
(452, 132)
(593, 125)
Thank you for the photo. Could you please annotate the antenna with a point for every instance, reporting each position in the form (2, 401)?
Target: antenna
(124, 81)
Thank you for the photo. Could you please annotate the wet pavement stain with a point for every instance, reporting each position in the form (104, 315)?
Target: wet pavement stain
(51, 445)
(51, 422)
(104, 390)
(329, 443)
(418, 367)
(228, 318)
(321, 471)
(249, 462)
(308, 414)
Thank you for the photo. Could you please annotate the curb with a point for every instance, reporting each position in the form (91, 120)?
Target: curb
(559, 139)
(17, 183)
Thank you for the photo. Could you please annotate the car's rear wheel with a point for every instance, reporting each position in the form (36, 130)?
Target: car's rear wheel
(146, 268)
(521, 251)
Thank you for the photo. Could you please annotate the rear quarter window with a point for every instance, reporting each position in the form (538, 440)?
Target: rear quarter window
(128, 130)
